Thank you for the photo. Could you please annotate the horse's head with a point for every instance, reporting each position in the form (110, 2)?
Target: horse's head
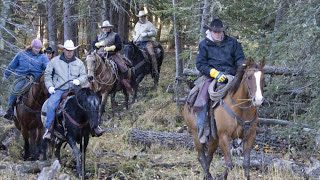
(130, 50)
(89, 102)
(93, 61)
(254, 80)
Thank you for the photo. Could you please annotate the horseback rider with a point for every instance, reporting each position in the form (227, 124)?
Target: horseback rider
(218, 55)
(144, 30)
(49, 53)
(26, 62)
(63, 73)
(110, 42)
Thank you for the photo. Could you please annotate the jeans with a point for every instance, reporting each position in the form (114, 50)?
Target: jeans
(53, 103)
(17, 87)
(201, 116)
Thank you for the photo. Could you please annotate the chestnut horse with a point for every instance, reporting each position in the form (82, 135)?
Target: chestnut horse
(104, 79)
(235, 117)
(27, 119)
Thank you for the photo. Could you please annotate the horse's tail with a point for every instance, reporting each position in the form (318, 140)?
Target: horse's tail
(160, 58)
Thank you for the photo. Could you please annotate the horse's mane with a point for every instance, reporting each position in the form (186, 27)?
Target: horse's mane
(240, 72)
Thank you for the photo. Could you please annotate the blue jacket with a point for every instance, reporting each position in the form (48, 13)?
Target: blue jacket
(26, 62)
(224, 56)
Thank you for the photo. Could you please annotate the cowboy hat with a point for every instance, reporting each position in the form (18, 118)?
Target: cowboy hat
(49, 50)
(68, 45)
(216, 25)
(141, 13)
(106, 24)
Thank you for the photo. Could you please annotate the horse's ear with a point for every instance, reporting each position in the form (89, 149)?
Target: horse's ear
(249, 61)
(86, 52)
(263, 62)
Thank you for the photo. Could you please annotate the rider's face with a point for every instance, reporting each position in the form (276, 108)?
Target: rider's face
(106, 29)
(217, 35)
(68, 54)
(36, 50)
(143, 19)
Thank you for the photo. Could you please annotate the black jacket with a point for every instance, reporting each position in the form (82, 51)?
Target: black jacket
(224, 56)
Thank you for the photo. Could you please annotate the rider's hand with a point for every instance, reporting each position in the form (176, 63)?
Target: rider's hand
(51, 90)
(219, 76)
(99, 44)
(110, 48)
(4, 79)
(144, 34)
(76, 82)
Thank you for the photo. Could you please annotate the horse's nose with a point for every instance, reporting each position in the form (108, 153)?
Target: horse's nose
(257, 101)
(90, 78)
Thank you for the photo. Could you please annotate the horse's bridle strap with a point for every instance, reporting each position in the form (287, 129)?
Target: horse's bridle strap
(244, 123)
(73, 121)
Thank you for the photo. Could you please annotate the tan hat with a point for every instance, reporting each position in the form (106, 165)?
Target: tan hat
(106, 24)
(68, 45)
(141, 13)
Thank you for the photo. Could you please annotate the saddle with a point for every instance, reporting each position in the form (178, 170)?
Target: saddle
(58, 127)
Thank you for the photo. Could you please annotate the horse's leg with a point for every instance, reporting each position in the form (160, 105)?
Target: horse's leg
(134, 94)
(225, 148)
(203, 158)
(26, 147)
(57, 150)
(113, 103)
(103, 106)
(75, 150)
(83, 159)
(247, 146)
(212, 147)
(126, 97)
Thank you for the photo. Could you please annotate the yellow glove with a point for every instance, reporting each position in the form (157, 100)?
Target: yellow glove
(219, 76)
(99, 44)
(110, 48)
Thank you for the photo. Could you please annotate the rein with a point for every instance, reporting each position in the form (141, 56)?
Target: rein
(99, 78)
(72, 120)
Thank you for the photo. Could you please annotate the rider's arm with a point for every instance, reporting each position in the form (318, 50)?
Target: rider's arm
(48, 74)
(152, 31)
(83, 78)
(118, 43)
(238, 54)
(13, 65)
(202, 59)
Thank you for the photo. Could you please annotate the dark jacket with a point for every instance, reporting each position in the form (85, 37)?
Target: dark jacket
(111, 39)
(224, 56)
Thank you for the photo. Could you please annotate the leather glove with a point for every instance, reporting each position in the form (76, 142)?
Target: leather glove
(4, 79)
(51, 90)
(219, 76)
(76, 82)
(144, 34)
(99, 44)
(110, 48)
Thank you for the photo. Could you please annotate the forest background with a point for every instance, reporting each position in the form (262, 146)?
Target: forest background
(285, 32)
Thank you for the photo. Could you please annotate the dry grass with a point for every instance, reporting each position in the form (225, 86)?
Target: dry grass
(111, 157)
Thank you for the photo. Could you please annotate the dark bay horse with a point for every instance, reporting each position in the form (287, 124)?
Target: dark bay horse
(78, 114)
(142, 66)
(235, 117)
(104, 79)
(28, 118)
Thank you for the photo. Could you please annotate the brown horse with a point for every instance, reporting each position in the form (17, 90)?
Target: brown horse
(104, 79)
(27, 119)
(235, 117)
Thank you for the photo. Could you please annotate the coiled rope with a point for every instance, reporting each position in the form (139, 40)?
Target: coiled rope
(216, 92)
(25, 88)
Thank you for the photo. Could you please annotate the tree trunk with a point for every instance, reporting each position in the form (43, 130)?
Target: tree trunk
(52, 27)
(67, 23)
(204, 19)
(114, 17)
(92, 25)
(104, 10)
(4, 14)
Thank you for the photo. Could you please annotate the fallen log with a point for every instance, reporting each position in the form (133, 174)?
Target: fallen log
(274, 70)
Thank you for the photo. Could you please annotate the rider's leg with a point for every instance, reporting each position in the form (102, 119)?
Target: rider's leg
(53, 103)
(153, 58)
(12, 99)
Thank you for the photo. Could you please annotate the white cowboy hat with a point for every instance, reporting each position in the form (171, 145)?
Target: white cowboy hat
(141, 13)
(106, 24)
(68, 45)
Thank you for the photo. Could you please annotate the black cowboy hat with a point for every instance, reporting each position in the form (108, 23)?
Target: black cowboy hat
(49, 50)
(216, 25)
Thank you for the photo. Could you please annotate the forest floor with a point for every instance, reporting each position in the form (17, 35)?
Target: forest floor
(112, 157)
